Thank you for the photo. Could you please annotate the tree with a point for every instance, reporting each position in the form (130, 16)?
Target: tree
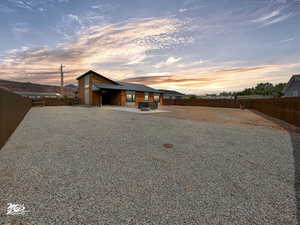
(260, 89)
(192, 97)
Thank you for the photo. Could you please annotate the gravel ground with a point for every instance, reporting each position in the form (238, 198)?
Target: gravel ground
(76, 165)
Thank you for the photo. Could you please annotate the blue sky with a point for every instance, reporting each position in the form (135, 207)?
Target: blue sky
(193, 46)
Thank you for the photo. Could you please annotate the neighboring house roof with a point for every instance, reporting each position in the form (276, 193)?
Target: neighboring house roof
(97, 74)
(293, 84)
(71, 86)
(125, 86)
(28, 93)
(14, 86)
(171, 93)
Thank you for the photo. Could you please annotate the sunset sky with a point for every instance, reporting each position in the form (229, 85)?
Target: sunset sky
(192, 46)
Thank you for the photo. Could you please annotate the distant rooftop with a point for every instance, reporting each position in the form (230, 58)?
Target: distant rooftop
(170, 92)
(293, 87)
(28, 93)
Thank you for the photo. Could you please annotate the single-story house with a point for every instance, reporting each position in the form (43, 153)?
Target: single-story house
(168, 94)
(293, 87)
(96, 89)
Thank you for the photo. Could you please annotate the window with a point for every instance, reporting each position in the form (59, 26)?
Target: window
(156, 97)
(87, 81)
(166, 97)
(146, 96)
(295, 93)
(130, 96)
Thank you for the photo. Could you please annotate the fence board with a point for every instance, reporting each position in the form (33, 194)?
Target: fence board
(225, 103)
(287, 109)
(53, 102)
(13, 108)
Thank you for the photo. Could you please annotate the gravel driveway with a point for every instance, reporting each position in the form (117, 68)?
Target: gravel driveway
(77, 165)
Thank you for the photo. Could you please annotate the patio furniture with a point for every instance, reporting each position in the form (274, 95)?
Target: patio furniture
(146, 106)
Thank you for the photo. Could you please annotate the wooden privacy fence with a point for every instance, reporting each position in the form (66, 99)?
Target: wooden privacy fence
(225, 103)
(13, 108)
(53, 101)
(287, 109)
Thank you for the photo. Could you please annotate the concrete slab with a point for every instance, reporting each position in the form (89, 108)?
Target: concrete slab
(132, 109)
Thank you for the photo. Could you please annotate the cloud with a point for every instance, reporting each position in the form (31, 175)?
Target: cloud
(182, 10)
(127, 51)
(194, 77)
(136, 60)
(275, 12)
(97, 15)
(192, 64)
(122, 44)
(267, 17)
(103, 7)
(157, 74)
(21, 31)
(202, 80)
(287, 40)
(21, 28)
(170, 61)
(69, 26)
(278, 19)
(32, 5)
(6, 9)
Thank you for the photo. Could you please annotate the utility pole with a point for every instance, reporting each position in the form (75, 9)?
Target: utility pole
(62, 80)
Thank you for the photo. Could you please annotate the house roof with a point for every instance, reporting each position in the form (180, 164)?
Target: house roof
(138, 87)
(118, 85)
(172, 93)
(97, 74)
(125, 86)
(29, 93)
(295, 80)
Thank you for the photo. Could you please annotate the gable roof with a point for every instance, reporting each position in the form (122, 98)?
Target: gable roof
(138, 87)
(118, 85)
(97, 74)
(295, 80)
(173, 93)
(125, 86)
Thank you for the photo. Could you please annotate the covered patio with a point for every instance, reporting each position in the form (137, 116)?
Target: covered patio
(108, 97)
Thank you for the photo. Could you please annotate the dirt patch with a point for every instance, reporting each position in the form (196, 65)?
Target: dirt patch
(224, 116)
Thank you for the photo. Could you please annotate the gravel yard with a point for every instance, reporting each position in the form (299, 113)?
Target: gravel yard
(78, 165)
